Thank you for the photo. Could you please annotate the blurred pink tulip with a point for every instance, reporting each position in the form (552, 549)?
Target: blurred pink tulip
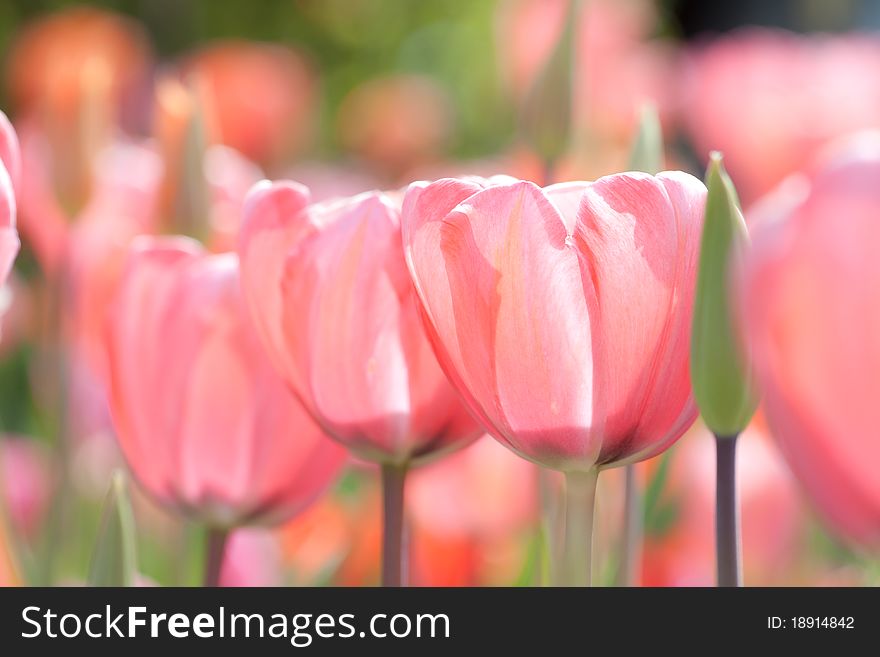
(396, 122)
(770, 100)
(205, 423)
(812, 314)
(617, 67)
(329, 292)
(123, 206)
(10, 168)
(253, 557)
(25, 483)
(563, 314)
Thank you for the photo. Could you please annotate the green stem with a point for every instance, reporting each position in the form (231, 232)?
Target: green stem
(215, 549)
(394, 562)
(577, 556)
(727, 534)
(631, 556)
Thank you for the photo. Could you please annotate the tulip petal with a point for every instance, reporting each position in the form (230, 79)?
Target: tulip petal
(273, 222)
(514, 288)
(639, 236)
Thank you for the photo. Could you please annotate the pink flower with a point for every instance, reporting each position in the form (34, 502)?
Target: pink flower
(205, 423)
(812, 315)
(563, 314)
(10, 169)
(770, 100)
(328, 288)
(25, 483)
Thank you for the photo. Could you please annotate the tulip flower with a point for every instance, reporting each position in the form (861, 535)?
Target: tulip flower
(10, 169)
(26, 483)
(811, 313)
(396, 122)
(646, 154)
(205, 423)
(616, 65)
(563, 315)
(328, 288)
(771, 100)
(75, 75)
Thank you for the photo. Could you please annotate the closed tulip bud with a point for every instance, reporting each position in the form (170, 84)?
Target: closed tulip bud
(183, 138)
(720, 372)
(205, 423)
(546, 120)
(647, 149)
(114, 561)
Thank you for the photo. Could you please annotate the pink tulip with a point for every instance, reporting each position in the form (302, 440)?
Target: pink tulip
(396, 122)
(812, 314)
(25, 483)
(770, 100)
(617, 68)
(205, 423)
(563, 317)
(10, 169)
(563, 314)
(328, 288)
(253, 558)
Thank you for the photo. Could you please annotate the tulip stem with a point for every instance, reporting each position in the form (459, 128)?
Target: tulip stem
(394, 561)
(727, 534)
(215, 549)
(577, 556)
(631, 557)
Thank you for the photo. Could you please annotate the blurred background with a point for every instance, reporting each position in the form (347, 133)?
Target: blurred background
(113, 100)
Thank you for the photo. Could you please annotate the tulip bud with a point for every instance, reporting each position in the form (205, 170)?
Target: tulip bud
(114, 562)
(647, 150)
(183, 136)
(546, 120)
(720, 373)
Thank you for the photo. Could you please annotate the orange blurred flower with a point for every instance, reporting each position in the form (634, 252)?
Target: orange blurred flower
(260, 97)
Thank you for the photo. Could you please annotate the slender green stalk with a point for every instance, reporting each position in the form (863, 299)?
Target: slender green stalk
(727, 534)
(633, 530)
(394, 562)
(215, 549)
(577, 556)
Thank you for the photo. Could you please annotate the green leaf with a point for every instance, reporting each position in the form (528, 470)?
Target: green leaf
(114, 561)
(546, 116)
(720, 370)
(646, 153)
